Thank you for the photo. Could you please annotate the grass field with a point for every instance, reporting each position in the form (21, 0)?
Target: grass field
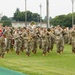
(52, 64)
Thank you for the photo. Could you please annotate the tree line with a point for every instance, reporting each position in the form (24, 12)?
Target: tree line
(62, 20)
(19, 16)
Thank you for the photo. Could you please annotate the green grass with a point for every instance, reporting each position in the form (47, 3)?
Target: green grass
(52, 64)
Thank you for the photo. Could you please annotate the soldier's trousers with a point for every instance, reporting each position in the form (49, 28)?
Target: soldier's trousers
(40, 43)
(60, 45)
(18, 45)
(8, 45)
(28, 48)
(34, 47)
(73, 45)
(2, 49)
(44, 47)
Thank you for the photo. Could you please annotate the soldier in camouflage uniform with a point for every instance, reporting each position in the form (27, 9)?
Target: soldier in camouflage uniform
(34, 43)
(2, 46)
(66, 35)
(8, 38)
(23, 39)
(39, 38)
(59, 40)
(18, 42)
(44, 42)
(73, 39)
(52, 41)
(48, 39)
(2, 42)
(70, 37)
(28, 42)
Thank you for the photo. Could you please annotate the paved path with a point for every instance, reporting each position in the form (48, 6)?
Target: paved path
(4, 71)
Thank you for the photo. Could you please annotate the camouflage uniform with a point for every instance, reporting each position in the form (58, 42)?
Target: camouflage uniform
(44, 43)
(66, 36)
(59, 40)
(8, 38)
(28, 42)
(23, 41)
(70, 37)
(18, 43)
(34, 43)
(2, 46)
(28, 47)
(52, 39)
(40, 39)
(48, 39)
(73, 40)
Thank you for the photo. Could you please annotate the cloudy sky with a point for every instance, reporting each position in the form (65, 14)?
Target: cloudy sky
(56, 7)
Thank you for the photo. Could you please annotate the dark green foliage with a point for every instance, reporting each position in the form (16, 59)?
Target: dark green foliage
(20, 16)
(17, 12)
(5, 20)
(7, 23)
(63, 20)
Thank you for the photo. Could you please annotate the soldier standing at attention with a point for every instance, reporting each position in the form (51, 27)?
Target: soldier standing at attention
(2, 46)
(73, 39)
(28, 42)
(39, 38)
(48, 36)
(59, 39)
(8, 38)
(66, 35)
(44, 42)
(23, 39)
(34, 43)
(52, 38)
(17, 42)
(2, 42)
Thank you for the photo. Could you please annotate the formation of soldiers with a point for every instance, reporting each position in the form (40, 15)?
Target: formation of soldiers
(30, 39)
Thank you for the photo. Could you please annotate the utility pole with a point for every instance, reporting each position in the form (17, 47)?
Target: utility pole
(40, 15)
(26, 13)
(72, 12)
(47, 7)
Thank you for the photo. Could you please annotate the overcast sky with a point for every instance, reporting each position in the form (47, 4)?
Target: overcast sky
(56, 7)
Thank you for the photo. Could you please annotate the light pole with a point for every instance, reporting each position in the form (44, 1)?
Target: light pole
(47, 7)
(26, 13)
(40, 15)
(72, 12)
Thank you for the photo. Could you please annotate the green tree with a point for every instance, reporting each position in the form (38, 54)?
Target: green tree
(20, 16)
(29, 16)
(7, 23)
(5, 20)
(36, 17)
(16, 14)
(63, 20)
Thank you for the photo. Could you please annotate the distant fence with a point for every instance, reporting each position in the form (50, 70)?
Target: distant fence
(22, 24)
